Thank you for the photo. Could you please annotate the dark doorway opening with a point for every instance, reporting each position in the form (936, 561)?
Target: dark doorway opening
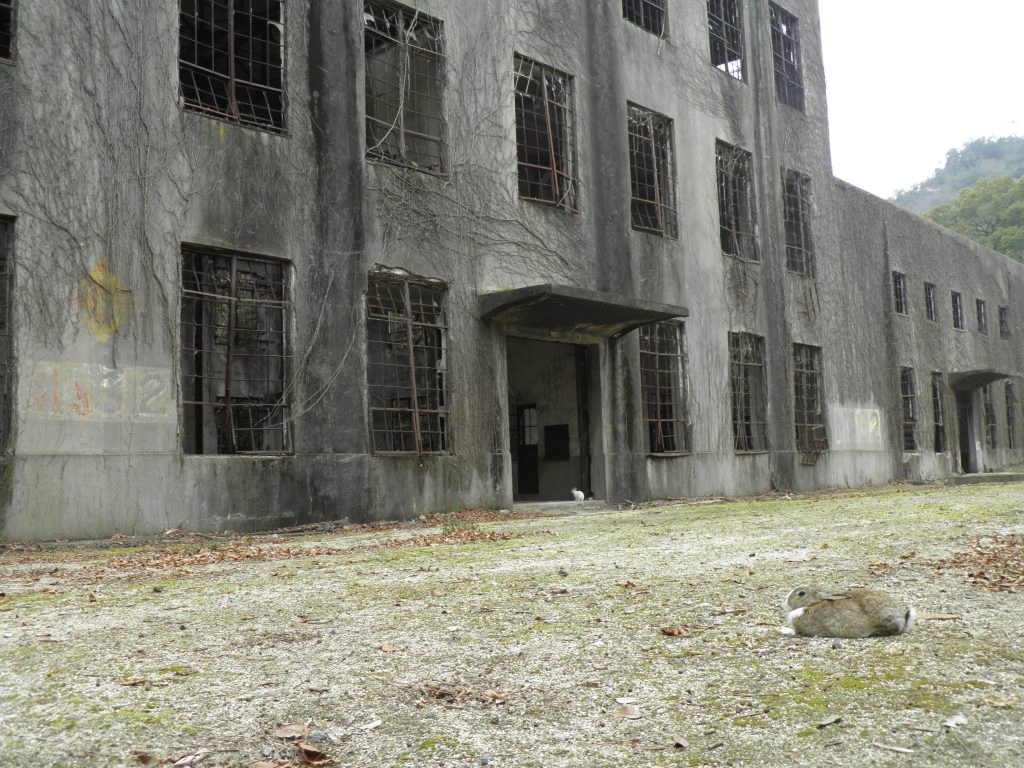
(964, 414)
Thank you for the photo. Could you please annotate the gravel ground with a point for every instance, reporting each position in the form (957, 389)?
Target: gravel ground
(524, 642)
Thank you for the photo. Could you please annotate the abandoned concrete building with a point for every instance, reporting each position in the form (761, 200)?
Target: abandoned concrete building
(269, 262)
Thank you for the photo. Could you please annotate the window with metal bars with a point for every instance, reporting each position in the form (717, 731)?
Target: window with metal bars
(908, 408)
(789, 79)
(1004, 322)
(808, 400)
(231, 60)
(899, 293)
(545, 134)
(1011, 415)
(931, 308)
(939, 412)
(652, 172)
(958, 310)
(982, 316)
(646, 14)
(663, 387)
(796, 200)
(407, 364)
(6, 29)
(235, 356)
(725, 31)
(989, 409)
(737, 220)
(6, 329)
(404, 70)
(747, 392)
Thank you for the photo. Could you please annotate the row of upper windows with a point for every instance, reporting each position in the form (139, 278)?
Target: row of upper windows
(901, 305)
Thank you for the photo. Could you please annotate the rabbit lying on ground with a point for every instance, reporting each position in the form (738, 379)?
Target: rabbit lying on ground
(855, 612)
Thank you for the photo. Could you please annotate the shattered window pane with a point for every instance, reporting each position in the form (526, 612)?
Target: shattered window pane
(736, 215)
(235, 354)
(646, 14)
(808, 400)
(908, 407)
(404, 63)
(545, 134)
(797, 222)
(725, 30)
(747, 392)
(6, 29)
(663, 387)
(407, 364)
(939, 412)
(789, 82)
(651, 172)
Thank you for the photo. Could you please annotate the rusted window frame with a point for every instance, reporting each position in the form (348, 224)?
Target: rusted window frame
(796, 221)
(785, 33)
(931, 307)
(550, 94)
(8, 31)
(737, 212)
(900, 299)
(652, 172)
(235, 379)
(809, 400)
(747, 393)
(396, 133)
(981, 310)
(407, 364)
(940, 441)
(233, 91)
(1010, 393)
(957, 301)
(1004, 323)
(989, 415)
(650, 15)
(725, 36)
(7, 361)
(663, 364)
(908, 408)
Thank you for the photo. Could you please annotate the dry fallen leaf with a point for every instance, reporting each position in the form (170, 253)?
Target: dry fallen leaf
(387, 648)
(263, 764)
(132, 681)
(674, 631)
(629, 712)
(1003, 703)
(834, 720)
(311, 753)
(92, 598)
(292, 731)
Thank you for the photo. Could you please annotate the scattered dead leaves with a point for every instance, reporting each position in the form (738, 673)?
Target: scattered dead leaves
(455, 695)
(994, 563)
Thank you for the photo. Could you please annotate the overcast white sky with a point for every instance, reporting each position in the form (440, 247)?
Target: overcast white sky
(910, 79)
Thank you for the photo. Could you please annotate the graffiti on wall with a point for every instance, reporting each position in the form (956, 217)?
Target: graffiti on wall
(855, 429)
(103, 301)
(92, 392)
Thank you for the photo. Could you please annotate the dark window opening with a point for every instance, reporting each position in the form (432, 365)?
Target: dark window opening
(725, 30)
(6, 29)
(736, 216)
(789, 82)
(234, 313)
(545, 134)
(939, 412)
(747, 392)
(407, 364)
(931, 308)
(1011, 415)
(1004, 322)
(663, 387)
(908, 401)
(646, 14)
(797, 221)
(990, 415)
(808, 398)
(982, 316)
(899, 293)
(231, 60)
(556, 442)
(404, 69)
(958, 311)
(6, 330)
(651, 172)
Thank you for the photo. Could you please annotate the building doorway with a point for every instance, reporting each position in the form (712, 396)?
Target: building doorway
(965, 422)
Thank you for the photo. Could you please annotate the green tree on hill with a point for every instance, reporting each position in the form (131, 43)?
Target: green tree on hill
(991, 212)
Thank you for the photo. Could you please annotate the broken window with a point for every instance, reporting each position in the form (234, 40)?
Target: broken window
(789, 81)
(930, 306)
(404, 68)
(234, 348)
(808, 399)
(231, 60)
(982, 316)
(908, 401)
(6, 330)
(1011, 415)
(939, 412)
(663, 387)
(407, 364)
(797, 221)
(899, 293)
(1004, 322)
(6, 29)
(545, 134)
(646, 14)
(725, 30)
(652, 172)
(990, 415)
(736, 217)
(958, 310)
(747, 392)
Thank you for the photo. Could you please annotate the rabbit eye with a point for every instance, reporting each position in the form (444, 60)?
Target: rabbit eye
(801, 593)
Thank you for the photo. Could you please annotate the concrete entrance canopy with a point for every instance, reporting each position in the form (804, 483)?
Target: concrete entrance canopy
(965, 380)
(564, 309)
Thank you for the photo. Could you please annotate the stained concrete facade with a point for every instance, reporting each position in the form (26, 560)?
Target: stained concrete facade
(105, 176)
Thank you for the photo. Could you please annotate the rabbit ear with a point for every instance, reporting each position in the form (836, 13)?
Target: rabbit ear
(833, 595)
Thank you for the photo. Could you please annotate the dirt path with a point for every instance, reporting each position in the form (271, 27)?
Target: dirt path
(485, 640)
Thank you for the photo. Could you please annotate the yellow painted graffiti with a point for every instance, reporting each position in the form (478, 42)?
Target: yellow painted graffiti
(104, 302)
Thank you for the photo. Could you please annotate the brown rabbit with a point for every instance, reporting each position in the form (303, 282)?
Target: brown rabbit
(855, 612)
